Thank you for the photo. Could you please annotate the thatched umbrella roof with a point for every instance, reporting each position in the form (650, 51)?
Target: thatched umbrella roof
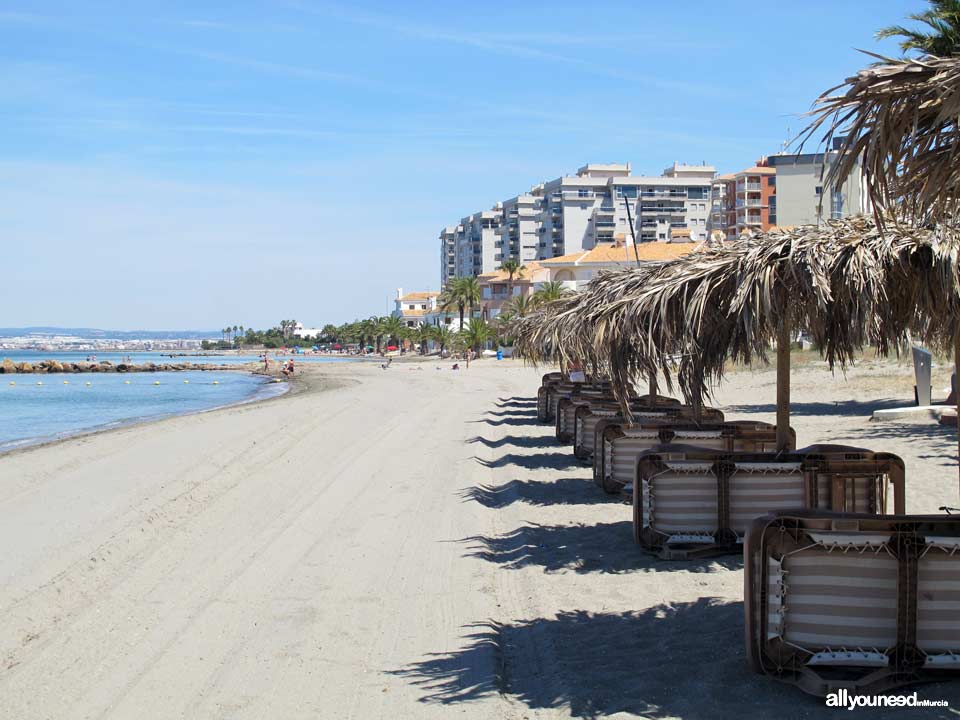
(847, 282)
(901, 118)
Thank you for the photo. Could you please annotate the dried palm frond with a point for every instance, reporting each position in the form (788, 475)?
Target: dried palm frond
(901, 118)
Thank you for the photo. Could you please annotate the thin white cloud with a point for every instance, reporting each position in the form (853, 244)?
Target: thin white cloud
(514, 45)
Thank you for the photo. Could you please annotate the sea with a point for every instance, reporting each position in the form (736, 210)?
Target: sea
(36, 408)
(137, 358)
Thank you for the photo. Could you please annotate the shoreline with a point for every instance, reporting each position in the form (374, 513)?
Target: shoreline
(29, 444)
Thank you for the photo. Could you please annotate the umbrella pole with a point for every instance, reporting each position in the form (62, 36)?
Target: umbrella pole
(652, 390)
(783, 387)
(956, 390)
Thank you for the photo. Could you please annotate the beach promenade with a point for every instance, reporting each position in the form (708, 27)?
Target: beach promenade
(408, 543)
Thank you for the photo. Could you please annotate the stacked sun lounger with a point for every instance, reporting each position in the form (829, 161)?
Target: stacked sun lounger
(853, 602)
(617, 444)
(586, 400)
(690, 501)
(587, 415)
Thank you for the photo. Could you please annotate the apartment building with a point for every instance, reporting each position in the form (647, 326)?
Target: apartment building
(518, 235)
(475, 243)
(600, 204)
(746, 200)
(448, 254)
(803, 197)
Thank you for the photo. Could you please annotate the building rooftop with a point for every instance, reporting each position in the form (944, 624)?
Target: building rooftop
(409, 297)
(757, 170)
(503, 276)
(617, 253)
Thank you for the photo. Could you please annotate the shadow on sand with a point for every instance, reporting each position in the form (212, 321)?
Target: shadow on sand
(524, 441)
(513, 413)
(583, 548)
(564, 491)
(511, 419)
(841, 407)
(516, 400)
(555, 460)
(682, 659)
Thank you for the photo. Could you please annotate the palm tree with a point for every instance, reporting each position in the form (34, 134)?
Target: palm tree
(423, 335)
(512, 268)
(450, 298)
(368, 331)
(393, 328)
(470, 292)
(443, 337)
(476, 334)
(550, 291)
(943, 37)
(520, 306)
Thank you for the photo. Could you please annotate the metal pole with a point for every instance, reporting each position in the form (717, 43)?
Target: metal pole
(956, 390)
(633, 233)
(783, 387)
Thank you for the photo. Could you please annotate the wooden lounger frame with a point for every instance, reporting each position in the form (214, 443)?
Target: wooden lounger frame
(660, 431)
(828, 477)
(857, 602)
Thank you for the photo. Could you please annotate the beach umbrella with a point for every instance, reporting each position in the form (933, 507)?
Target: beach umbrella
(899, 118)
(849, 283)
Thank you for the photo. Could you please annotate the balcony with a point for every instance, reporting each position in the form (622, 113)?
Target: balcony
(674, 195)
(605, 224)
(670, 210)
(748, 187)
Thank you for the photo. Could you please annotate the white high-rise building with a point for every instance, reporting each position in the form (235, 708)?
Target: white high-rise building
(578, 212)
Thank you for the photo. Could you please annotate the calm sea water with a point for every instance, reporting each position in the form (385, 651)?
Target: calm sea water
(32, 413)
(32, 356)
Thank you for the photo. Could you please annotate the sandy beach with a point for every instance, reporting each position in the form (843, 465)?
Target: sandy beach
(391, 544)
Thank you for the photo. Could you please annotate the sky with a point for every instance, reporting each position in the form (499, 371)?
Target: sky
(195, 164)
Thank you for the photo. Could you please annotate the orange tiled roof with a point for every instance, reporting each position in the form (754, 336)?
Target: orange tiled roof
(405, 312)
(612, 253)
(758, 171)
(503, 275)
(419, 296)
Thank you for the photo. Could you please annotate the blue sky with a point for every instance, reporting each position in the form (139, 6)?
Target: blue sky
(198, 164)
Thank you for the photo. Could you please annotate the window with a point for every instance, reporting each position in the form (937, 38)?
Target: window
(662, 236)
(411, 307)
(771, 181)
(836, 205)
(697, 193)
(818, 190)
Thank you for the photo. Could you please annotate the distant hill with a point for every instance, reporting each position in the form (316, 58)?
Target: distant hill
(97, 334)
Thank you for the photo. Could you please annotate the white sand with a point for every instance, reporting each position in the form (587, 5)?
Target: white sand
(409, 545)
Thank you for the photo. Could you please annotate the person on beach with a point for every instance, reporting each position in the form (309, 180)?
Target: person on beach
(577, 375)
(266, 362)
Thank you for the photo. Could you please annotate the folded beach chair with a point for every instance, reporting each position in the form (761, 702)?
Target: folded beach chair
(855, 603)
(588, 414)
(543, 394)
(567, 407)
(556, 392)
(690, 501)
(617, 445)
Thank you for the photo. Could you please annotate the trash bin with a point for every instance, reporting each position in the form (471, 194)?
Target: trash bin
(499, 354)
